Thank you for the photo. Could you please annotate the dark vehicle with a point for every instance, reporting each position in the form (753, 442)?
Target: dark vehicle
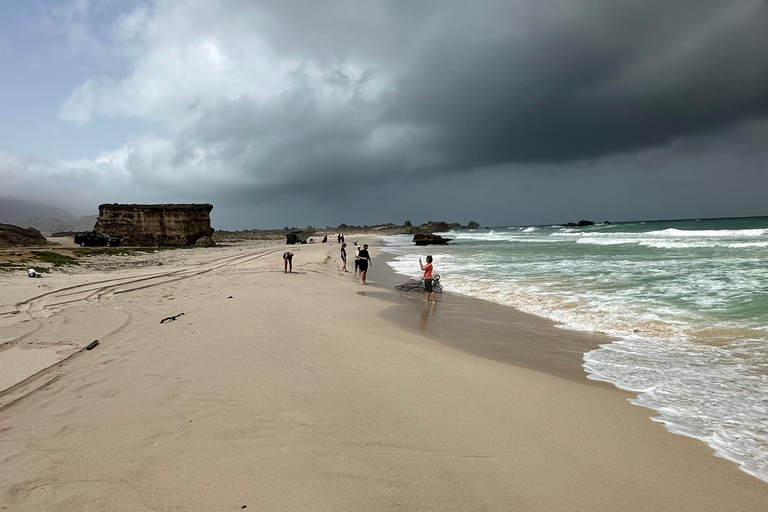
(91, 238)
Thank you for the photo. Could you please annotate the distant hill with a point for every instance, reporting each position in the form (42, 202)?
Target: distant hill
(15, 209)
(51, 225)
(44, 218)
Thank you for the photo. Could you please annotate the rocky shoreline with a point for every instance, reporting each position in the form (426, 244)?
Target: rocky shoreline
(380, 229)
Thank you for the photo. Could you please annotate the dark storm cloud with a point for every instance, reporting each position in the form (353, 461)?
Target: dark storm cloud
(272, 100)
(491, 83)
(615, 77)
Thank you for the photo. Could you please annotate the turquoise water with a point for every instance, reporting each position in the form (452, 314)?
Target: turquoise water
(688, 301)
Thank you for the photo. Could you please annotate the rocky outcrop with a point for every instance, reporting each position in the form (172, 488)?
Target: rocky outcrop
(430, 239)
(205, 241)
(580, 224)
(473, 225)
(155, 224)
(378, 229)
(14, 236)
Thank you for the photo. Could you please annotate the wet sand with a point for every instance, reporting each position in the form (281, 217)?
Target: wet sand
(489, 330)
(311, 392)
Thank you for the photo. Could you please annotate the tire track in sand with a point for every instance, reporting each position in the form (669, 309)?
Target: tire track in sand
(44, 358)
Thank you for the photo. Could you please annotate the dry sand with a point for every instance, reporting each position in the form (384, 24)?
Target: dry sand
(302, 392)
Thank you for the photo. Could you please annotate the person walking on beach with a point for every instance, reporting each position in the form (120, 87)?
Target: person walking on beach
(344, 257)
(428, 278)
(364, 260)
(357, 260)
(288, 262)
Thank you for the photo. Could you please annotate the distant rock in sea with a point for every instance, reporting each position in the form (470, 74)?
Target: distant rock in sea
(580, 224)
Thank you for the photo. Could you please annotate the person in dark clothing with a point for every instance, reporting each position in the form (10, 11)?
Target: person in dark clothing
(288, 262)
(364, 260)
(344, 257)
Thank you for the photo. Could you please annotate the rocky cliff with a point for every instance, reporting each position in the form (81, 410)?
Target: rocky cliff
(14, 236)
(155, 224)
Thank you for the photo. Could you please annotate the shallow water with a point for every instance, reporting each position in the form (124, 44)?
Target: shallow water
(688, 300)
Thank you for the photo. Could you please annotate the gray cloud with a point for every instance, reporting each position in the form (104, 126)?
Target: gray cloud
(272, 100)
(497, 83)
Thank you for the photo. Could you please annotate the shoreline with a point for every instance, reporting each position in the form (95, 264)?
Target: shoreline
(494, 331)
(580, 343)
(297, 392)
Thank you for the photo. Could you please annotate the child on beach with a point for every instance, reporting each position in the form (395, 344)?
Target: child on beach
(344, 257)
(428, 278)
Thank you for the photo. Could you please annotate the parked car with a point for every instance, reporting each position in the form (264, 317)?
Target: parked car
(91, 238)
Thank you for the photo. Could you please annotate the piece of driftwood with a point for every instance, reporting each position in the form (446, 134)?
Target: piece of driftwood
(171, 318)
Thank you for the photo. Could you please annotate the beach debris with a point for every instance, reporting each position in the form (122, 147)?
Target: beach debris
(34, 273)
(418, 285)
(92, 344)
(171, 318)
(230, 297)
(244, 506)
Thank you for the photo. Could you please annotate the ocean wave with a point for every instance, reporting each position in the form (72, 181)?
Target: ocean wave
(701, 365)
(728, 410)
(711, 233)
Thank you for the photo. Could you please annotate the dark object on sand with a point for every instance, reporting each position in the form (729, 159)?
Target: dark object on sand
(297, 237)
(420, 239)
(92, 344)
(171, 318)
(230, 297)
(91, 238)
(419, 286)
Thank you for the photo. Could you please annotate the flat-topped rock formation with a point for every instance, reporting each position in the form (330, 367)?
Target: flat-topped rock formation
(155, 224)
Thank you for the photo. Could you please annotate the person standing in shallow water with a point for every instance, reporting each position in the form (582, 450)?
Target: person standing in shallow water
(428, 278)
(364, 260)
(288, 262)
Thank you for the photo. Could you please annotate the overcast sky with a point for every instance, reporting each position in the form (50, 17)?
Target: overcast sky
(295, 112)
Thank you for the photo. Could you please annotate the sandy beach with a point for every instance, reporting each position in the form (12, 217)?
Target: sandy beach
(310, 392)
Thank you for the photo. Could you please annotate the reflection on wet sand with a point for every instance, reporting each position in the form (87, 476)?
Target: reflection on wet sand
(426, 314)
